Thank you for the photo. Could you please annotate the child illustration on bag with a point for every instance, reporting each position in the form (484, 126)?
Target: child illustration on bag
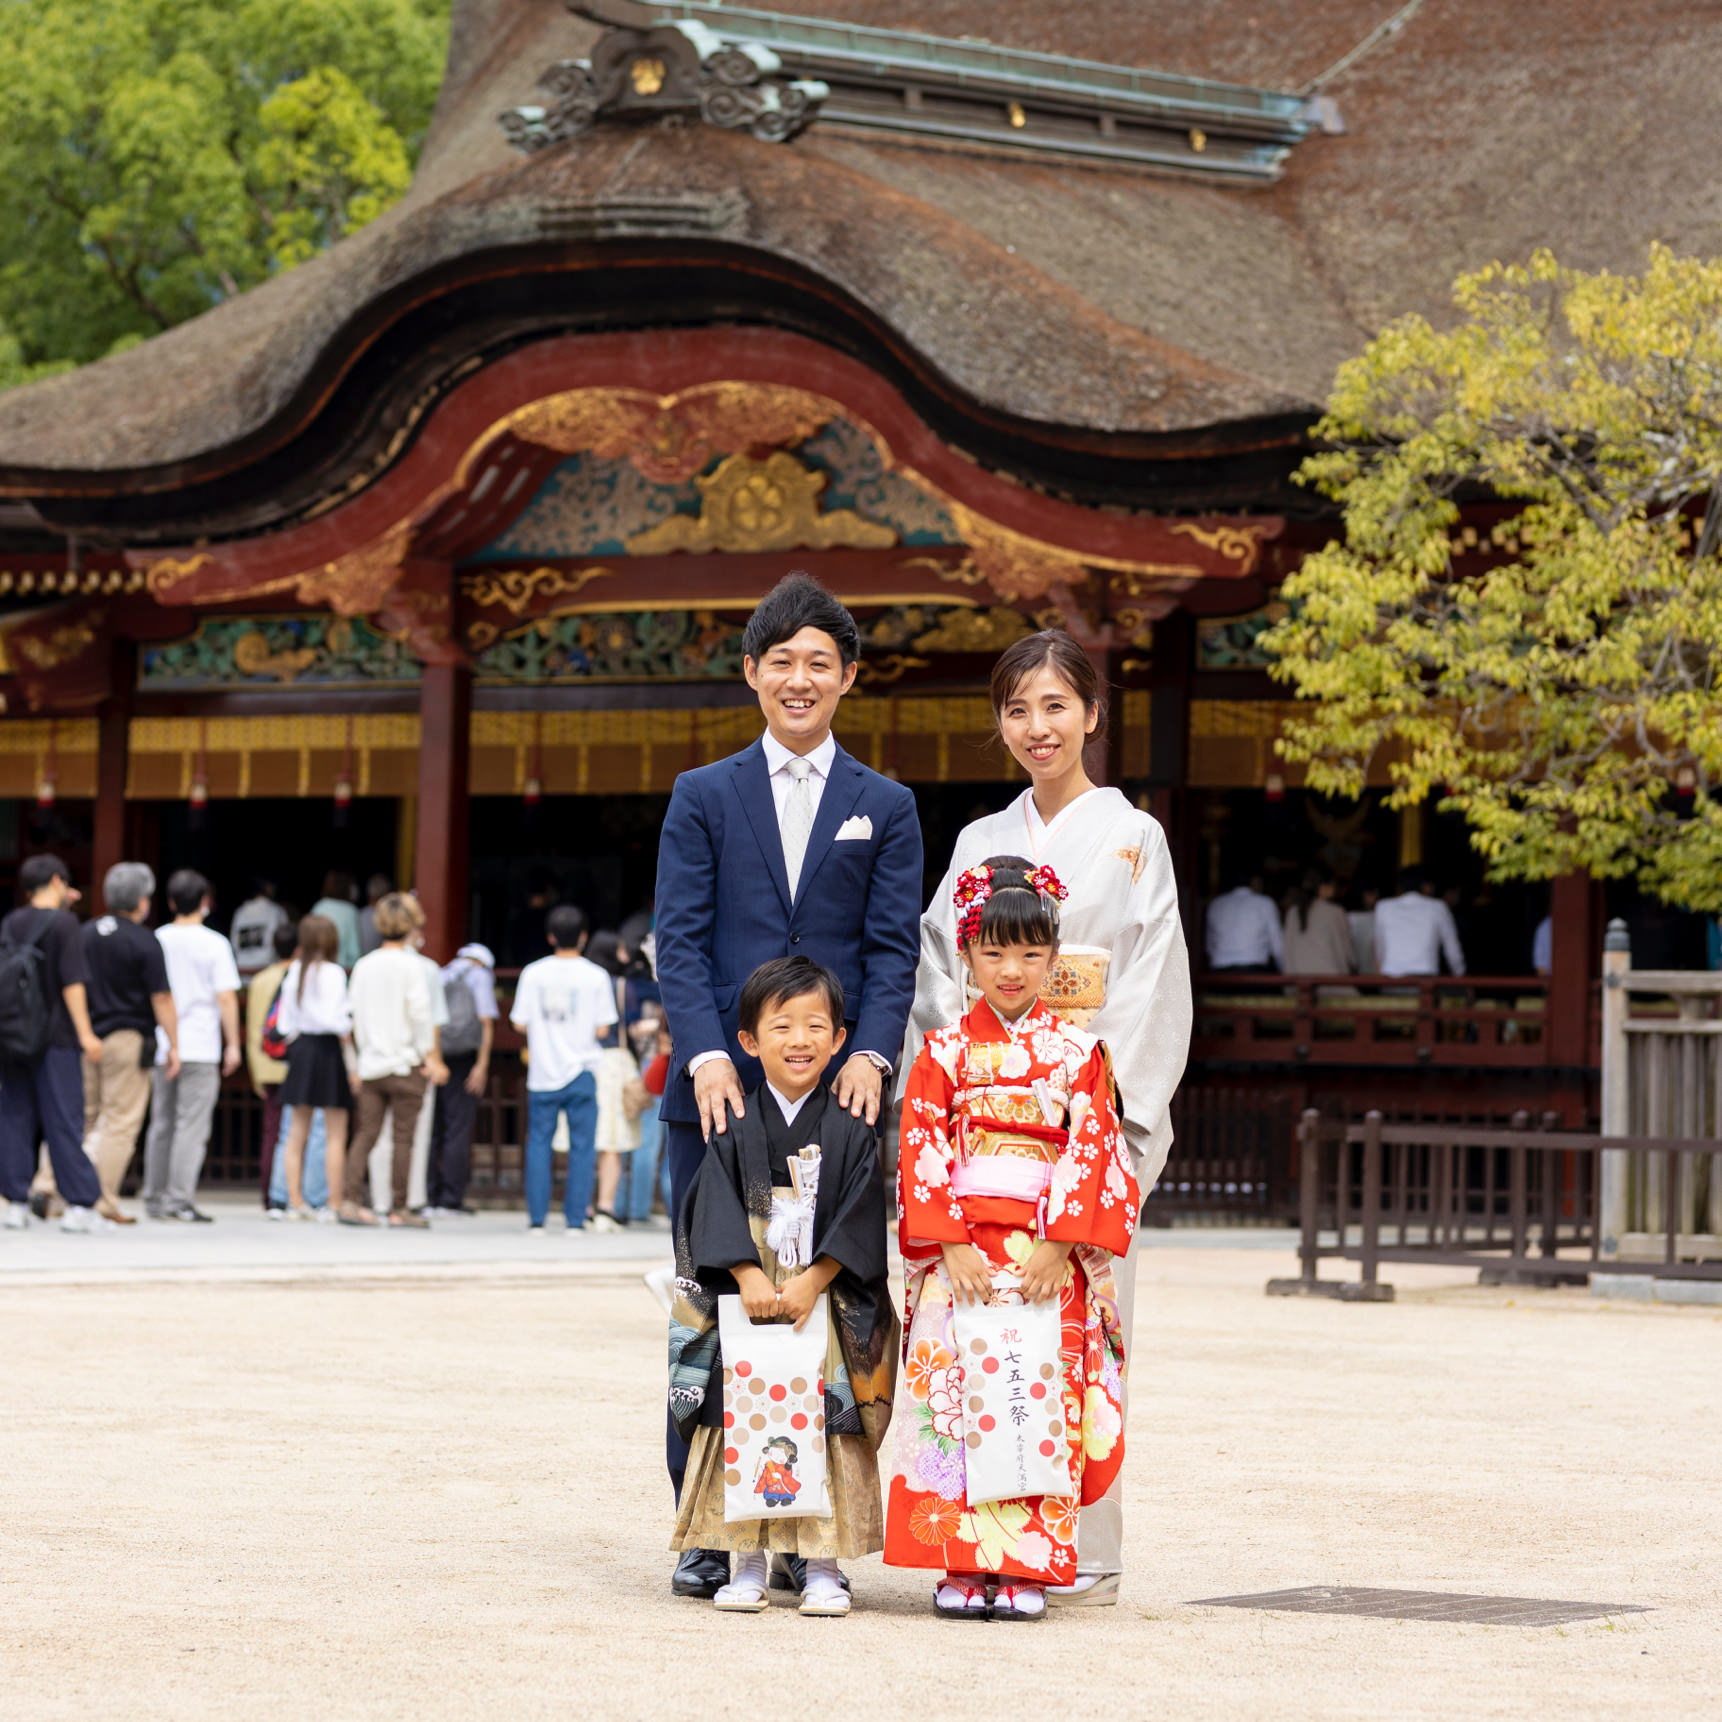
(775, 1478)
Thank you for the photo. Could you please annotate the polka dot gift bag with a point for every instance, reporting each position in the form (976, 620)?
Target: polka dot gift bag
(773, 1416)
(1014, 1439)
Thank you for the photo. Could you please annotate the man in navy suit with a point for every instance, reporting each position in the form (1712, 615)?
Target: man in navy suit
(789, 848)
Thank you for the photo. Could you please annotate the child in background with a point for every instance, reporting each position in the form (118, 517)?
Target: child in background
(791, 1020)
(1012, 1163)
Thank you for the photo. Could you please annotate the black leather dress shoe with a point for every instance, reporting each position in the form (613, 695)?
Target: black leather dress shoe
(701, 1572)
(789, 1572)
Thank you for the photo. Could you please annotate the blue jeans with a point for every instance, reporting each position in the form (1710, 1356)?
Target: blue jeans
(635, 1200)
(579, 1100)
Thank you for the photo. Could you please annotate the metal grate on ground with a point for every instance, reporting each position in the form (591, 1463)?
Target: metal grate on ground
(1423, 1605)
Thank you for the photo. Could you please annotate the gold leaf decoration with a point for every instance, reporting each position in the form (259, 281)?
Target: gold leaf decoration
(1240, 544)
(515, 589)
(252, 657)
(769, 504)
(356, 584)
(975, 631)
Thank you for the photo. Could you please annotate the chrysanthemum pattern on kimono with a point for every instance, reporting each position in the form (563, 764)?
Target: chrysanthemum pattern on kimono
(1035, 1098)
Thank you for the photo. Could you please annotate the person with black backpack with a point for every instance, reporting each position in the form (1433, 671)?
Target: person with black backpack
(45, 1035)
(469, 986)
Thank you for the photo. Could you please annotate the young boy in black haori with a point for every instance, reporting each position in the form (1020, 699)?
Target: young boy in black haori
(743, 1199)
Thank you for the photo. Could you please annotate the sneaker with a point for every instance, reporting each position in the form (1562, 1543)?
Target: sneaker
(275, 1214)
(602, 1222)
(325, 1216)
(85, 1220)
(189, 1213)
(17, 1216)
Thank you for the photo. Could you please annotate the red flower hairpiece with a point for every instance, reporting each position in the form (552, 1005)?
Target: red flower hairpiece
(975, 887)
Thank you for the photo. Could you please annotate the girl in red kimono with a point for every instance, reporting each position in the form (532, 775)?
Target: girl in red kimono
(1013, 1184)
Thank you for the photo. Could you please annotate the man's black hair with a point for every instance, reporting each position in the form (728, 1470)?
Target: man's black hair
(186, 891)
(785, 978)
(1411, 881)
(565, 924)
(286, 941)
(42, 870)
(798, 601)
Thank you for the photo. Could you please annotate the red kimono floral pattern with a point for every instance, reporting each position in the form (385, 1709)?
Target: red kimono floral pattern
(1036, 1089)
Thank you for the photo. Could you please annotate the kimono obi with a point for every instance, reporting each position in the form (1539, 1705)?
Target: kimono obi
(981, 1142)
(1008, 1175)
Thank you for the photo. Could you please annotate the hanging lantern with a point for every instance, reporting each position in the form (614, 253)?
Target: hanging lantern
(532, 793)
(532, 785)
(197, 795)
(1685, 783)
(344, 781)
(47, 783)
(1274, 786)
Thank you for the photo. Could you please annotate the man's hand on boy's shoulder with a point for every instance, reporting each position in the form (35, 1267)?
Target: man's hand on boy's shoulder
(859, 1087)
(716, 1086)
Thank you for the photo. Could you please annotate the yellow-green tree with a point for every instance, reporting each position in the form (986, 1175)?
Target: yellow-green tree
(158, 156)
(1562, 688)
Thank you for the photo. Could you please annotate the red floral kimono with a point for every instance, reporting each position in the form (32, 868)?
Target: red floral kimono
(1010, 1134)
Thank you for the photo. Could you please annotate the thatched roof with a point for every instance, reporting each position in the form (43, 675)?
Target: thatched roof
(1117, 303)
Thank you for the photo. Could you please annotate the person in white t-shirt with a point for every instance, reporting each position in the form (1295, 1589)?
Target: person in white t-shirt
(565, 1006)
(204, 980)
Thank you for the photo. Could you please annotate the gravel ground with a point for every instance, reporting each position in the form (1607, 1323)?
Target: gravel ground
(428, 1498)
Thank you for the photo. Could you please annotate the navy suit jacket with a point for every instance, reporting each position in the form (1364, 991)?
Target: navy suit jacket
(723, 908)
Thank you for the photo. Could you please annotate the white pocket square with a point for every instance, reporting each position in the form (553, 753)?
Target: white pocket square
(854, 830)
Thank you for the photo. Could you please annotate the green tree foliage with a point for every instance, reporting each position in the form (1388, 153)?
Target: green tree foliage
(158, 156)
(1556, 688)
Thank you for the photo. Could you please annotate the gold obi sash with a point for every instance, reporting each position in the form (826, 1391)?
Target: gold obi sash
(1075, 987)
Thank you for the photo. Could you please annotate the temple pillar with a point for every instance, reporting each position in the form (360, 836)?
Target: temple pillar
(1169, 755)
(442, 846)
(113, 739)
(1573, 967)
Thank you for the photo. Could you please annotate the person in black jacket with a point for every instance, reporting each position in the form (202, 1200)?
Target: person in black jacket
(43, 1097)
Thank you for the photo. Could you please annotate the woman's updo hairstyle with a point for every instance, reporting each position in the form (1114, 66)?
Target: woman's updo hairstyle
(1054, 648)
(1007, 900)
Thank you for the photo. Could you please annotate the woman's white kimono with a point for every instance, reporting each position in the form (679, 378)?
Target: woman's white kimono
(1123, 974)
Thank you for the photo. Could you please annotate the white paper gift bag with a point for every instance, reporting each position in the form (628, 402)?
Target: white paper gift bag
(773, 1416)
(1014, 1438)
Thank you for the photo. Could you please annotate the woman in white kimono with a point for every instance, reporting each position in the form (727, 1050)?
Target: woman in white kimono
(1122, 971)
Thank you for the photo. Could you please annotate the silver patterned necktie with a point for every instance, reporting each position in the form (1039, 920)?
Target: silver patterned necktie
(797, 820)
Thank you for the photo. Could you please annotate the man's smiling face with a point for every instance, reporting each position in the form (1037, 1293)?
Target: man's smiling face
(799, 682)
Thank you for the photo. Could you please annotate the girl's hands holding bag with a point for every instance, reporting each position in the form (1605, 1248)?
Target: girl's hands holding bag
(966, 1268)
(1043, 1277)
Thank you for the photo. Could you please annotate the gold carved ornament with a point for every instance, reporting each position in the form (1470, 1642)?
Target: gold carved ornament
(1240, 544)
(769, 504)
(988, 630)
(515, 589)
(59, 647)
(668, 438)
(252, 657)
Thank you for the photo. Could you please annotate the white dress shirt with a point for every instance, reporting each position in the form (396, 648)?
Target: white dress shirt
(1244, 931)
(777, 758)
(1413, 933)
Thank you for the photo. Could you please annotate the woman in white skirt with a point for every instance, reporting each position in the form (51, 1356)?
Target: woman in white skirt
(315, 1022)
(1122, 971)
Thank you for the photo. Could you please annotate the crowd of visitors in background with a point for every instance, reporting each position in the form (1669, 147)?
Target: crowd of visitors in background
(1310, 931)
(347, 1030)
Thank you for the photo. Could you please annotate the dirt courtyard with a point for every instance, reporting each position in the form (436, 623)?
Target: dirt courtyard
(444, 1498)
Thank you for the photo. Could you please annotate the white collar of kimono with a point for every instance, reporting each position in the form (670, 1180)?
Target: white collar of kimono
(1039, 832)
(788, 1107)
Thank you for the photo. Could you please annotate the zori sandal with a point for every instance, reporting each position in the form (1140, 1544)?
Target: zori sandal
(745, 1592)
(1019, 1602)
(960, 1599)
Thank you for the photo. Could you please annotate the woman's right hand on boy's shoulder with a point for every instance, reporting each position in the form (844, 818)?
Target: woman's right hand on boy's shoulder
(758, 1294)
(966, 1268)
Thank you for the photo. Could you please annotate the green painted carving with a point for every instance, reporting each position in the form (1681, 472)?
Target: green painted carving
(276, 652)
(1231, 643)
(626, 646)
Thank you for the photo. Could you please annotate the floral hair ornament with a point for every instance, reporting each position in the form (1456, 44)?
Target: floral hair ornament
(975, 887)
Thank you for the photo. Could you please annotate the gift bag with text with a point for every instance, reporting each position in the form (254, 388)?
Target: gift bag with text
(773, 1416)
(1014, 1439)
